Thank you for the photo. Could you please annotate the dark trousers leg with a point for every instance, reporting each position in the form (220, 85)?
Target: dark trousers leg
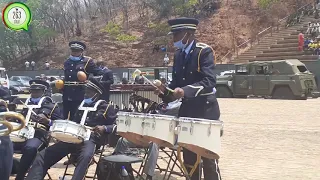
(29, 152)
(6, 156)
(70, 108)
(86, 154)
(210, 166)
(47, 158)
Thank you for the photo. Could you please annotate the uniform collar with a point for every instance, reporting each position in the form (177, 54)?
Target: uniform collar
(188, 48)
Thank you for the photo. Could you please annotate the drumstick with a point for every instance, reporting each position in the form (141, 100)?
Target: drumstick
(138, 72)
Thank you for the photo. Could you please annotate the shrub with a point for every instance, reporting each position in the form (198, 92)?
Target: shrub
(112, 29)
(126, 38)
(159, 29)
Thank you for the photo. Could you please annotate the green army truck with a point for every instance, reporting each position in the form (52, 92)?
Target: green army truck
(283, 79)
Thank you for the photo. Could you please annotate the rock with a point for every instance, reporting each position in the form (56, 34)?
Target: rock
(137, 45)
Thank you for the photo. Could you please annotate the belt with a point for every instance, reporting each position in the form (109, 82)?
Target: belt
(73, 83)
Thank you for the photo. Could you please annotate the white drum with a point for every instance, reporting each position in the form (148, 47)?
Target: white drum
(69, 132)
(160, 129)
(129, 126)
(23, 134)
(200, 136)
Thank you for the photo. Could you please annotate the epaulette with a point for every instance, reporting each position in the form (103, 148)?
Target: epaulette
(202, 45)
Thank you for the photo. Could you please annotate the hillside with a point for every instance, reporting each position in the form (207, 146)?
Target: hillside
(232, 24)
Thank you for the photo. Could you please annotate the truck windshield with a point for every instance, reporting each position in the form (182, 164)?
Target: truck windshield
(302, 69)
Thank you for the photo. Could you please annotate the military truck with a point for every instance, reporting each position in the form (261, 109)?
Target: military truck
(283, 79)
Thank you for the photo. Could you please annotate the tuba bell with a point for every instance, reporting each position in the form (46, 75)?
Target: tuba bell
(6, 117)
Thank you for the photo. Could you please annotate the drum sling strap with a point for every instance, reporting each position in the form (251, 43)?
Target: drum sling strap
(86, 110)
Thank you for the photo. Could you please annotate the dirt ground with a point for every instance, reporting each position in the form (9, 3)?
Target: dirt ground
(264, 139)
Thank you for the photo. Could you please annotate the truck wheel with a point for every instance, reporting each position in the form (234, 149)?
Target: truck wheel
(283, 93)
(223, 92)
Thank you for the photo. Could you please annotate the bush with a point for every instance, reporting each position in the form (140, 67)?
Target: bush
(159, 29)
(112, 29)
(126, 38)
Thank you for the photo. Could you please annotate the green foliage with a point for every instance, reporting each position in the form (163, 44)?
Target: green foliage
(160, 29)
(126, 38)
(183, 8)
(264, 4)
(112, 29)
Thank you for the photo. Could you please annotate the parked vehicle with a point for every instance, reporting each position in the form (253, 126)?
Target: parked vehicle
(17, 87)
(23, 79)
(283, 79)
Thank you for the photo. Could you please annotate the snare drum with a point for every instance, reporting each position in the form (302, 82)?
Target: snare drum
(200, 136)
(69, 132)
(23, 134)
(129, 126)
(160, 129)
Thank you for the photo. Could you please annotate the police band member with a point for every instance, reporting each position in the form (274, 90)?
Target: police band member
(193, 80)
(106, 80)
(46, 114)
(73, 91)
(6, 149)
(101, 120)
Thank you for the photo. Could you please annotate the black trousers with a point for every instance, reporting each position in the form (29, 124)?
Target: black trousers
(51, 155)
(6, 157)
(29, 150)
(70, 108)
(207, 109)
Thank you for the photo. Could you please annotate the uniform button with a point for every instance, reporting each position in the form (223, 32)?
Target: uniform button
(71, 64)
(71, 70)
(184, 67)
(183, 78)
(69, 76)
(207, 102)
(191, 72)
(80, 67)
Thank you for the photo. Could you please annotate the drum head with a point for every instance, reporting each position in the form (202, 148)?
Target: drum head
(200, 151)
(67, 138)
(135, 138)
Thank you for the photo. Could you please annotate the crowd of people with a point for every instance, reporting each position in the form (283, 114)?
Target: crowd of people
(310, 40)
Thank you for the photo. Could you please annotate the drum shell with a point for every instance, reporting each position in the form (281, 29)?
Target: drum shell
(68, 131)
(160, 129)
(129, 126)
(200, 136)
(23, 134)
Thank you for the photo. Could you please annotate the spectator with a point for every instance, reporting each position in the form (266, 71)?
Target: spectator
(124, 81)
(139, 79)
(33, 64)
(47, 65)
(301, 41)
(156, 48)
(165, 60)
(27, 64)
(307, 41)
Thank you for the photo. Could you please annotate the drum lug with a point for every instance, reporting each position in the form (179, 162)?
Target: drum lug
(154, 124)
(191, 128)
(170, 127)
(177, 130)
(209, 130)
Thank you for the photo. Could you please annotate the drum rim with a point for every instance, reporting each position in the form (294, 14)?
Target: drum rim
(82, 139)
(200, 121)
(68, 122)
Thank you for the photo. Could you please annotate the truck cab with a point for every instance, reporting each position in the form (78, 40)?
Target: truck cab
(283, 79)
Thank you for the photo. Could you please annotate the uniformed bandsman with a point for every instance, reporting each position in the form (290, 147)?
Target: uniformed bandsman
(6, 149)
(194, 80)
(106, 80)
(46, 114)
(73, 91)
(101, 120)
